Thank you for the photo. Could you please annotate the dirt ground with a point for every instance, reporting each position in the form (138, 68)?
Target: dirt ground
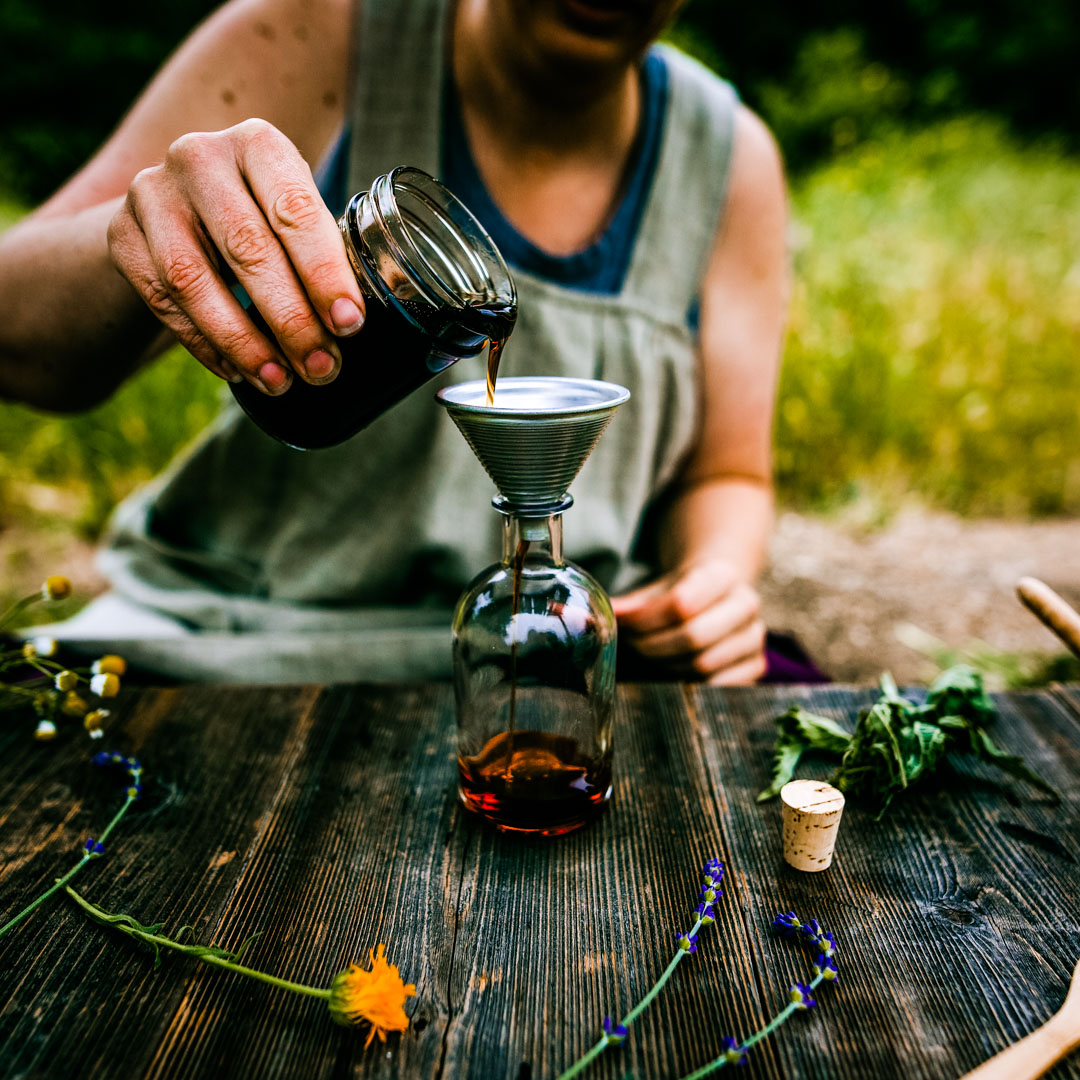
(858, 598)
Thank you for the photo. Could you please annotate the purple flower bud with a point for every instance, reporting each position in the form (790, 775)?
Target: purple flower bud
(734, 1054)
(825, 966)
(787, 924)
(687, 942)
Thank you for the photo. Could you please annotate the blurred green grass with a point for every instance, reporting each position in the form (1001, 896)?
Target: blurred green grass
(935, 330)
(933, 346)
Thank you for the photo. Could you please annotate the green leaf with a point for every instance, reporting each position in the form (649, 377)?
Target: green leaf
(786, 757)
(987, 750)
(922, 746)
(960, 692)
(800, 731)
(817, 732)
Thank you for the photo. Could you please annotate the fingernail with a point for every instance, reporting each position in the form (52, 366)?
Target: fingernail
(320, 364)
(231, 373)
(273, 377)
(346, 316)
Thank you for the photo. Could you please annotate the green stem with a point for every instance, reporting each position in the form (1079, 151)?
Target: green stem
(207, 958)
(632, 1015)
(62, 882)
(763, 1033)
(19, 605)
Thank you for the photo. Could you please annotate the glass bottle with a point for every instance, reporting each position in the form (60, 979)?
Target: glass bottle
(534, 677)
(436, 289)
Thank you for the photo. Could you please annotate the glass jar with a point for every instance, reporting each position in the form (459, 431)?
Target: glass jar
(534, 677)
(436, 289)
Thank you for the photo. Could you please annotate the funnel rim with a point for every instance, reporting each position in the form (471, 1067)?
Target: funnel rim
(618, 395)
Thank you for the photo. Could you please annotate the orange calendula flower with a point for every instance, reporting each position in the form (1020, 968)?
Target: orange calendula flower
(376, 997)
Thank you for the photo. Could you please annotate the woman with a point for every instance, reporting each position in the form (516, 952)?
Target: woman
(642, 210)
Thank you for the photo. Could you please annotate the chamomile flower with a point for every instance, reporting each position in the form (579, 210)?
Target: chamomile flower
(106, 684)
(56, 587)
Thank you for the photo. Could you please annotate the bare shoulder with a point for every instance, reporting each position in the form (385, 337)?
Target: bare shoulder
(756, 183)
(751, 240)
(285, 61)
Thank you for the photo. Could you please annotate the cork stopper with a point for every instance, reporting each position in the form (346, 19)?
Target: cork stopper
(812, 812)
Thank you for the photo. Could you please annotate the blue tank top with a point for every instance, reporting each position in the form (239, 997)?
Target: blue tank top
(599, 268)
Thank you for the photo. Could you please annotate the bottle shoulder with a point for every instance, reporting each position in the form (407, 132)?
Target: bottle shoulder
(544, 587)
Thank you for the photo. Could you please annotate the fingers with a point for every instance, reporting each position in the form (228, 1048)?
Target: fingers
(282, 185)
(738, 609)
(675, 600)
(246, 197)
(741, 674)
(701, 623)
(740, 657)
(237, 207)
(162, 255)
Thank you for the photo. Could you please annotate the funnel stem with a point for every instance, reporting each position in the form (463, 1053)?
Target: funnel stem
(538, 536)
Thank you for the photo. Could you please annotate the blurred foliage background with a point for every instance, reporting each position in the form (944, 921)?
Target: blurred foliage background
(936, 193)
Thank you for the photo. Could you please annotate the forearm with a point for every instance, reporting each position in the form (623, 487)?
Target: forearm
(71, 327)
(726, 517)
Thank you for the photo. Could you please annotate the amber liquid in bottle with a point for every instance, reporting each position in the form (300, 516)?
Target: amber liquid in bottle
(527, 781)
(533, 782)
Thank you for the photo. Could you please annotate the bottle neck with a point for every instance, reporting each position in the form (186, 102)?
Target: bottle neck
(532, 536)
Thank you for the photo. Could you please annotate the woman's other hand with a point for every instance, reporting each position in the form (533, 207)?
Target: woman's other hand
(699, 622)
(243, 199)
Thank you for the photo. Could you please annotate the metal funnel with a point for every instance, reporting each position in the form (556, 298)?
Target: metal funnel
(535, 438)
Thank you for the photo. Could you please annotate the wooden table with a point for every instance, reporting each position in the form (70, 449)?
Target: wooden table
(326, 818)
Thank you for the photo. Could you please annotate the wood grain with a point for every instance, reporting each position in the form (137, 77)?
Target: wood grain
(326, 818)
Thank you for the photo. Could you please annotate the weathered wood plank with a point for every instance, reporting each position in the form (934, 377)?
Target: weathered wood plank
(328, 820)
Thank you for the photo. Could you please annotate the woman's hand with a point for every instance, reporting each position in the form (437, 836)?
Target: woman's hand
(700, 621)
(243, 197)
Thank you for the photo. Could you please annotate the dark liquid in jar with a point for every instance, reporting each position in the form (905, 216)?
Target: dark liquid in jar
(553, 787)
(401, 345)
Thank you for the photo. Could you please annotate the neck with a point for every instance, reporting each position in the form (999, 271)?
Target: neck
(538, 103)
(532, 536)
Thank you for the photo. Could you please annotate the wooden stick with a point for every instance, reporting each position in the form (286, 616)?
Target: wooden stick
(1051, 610)
(1034, 1054)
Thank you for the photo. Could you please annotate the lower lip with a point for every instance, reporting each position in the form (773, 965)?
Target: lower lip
(595, 14)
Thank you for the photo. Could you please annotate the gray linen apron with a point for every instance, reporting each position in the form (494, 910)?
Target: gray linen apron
(247, 561)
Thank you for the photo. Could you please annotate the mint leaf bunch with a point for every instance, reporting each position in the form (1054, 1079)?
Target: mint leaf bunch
(896, 742)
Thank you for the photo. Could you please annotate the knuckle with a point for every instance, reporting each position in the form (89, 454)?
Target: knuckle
(243, 346)
(255, 127)
(248, 244)
(749, 600)
(188, 148)
(184, 274)
(703, 664)
(696, 638)
(143, 183)
(295, 320)
(682, 601)
(157, 298)
(296, 207)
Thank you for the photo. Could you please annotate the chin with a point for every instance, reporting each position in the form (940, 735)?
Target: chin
(592, 33)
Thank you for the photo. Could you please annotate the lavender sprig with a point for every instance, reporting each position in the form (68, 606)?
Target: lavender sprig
(93, 848)
(687, 941)
(800, 995)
